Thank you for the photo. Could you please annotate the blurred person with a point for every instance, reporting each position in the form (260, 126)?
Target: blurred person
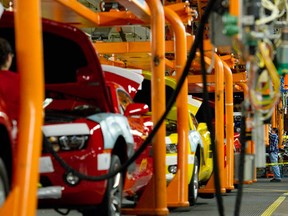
(273, 154)
(9, 80)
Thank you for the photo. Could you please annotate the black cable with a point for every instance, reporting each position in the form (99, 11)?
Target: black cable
(170, 104)
(212, 134)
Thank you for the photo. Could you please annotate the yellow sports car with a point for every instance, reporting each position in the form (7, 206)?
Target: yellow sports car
(200, 164)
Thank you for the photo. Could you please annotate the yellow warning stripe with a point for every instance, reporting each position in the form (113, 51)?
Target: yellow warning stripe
(274, 205)
(273, 164)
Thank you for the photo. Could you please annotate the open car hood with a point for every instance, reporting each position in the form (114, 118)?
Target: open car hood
(69, 60)
(130, 79)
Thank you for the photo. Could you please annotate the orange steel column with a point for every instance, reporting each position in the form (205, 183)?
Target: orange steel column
(234, 7)
(30, 68)
(219, 126)
(229, 169)
(30, 65)
(244, 87)
(273, 118)
(177, 191)
(280, 120)
(219, 117)
(153, 201)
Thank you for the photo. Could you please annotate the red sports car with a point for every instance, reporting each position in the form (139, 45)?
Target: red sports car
(91, 126)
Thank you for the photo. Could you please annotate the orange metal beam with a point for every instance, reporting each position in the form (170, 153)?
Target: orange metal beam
(184, 11)
(211, 78)
(22, 200)
(229, 169)
(140, 8)
(177, 191)
(280, 119)
(153, 201)
(74, 12)
(219, 125)
(219, 117)
(30, 65)
(234, 7)
(243, 85)
(141, 46)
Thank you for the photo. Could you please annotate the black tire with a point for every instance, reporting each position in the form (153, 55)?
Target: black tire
(194, 183)
(4, 185)
(112, 201)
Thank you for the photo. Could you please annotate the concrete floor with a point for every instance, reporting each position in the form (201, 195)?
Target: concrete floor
(257, 200)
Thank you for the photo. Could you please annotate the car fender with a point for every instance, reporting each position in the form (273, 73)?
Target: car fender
(194, 140)
(113, 126)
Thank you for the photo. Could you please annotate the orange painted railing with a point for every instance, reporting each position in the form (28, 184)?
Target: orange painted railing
(22, 200)
(153, 201)
(229, 168)
(177, 191)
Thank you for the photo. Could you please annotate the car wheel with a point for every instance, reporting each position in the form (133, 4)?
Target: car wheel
(4, 186)
(111, 204)
(194, 183)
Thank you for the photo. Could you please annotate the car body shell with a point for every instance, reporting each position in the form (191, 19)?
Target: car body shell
(80, 103)
(198, 136)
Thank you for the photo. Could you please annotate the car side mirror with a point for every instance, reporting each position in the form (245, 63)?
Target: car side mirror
(136, 109)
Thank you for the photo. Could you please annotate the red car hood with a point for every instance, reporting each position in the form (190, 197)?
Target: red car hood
(129, 79)
(69, 60)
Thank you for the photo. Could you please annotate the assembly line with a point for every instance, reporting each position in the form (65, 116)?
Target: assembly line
(143, 107)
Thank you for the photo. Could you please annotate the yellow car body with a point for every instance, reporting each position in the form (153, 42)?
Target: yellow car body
(200, 161)
(199, 143)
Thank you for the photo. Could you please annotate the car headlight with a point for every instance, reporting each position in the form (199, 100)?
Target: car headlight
(68, 143)
(172, 169)
(171, 148)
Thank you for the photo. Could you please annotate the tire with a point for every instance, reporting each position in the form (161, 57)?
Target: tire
(194, 184)
(112, 201)
(4, 185)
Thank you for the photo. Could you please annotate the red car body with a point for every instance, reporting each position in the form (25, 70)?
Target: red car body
(88, 121)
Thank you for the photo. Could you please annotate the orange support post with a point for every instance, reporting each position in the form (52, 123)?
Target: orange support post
(280, 120)
(153, 201)
(219, 127)
(234, 7)
(229, 168)
(177, 191)
(219, 117)
(244, 87)
(274, 118)
(22, 200)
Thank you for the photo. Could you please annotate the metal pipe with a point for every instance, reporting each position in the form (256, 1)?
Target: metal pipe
(229, 169)
(29, 53)
(177, 192)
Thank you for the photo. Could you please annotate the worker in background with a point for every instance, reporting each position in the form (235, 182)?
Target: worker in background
(9, 81)
(273, 154)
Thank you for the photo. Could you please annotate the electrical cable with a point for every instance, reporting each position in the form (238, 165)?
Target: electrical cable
(198, 40)
(274, 12)
(264, 97)
(210, 128)
(149, 138)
